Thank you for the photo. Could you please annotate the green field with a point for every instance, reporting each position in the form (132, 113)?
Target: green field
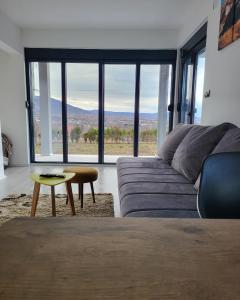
(145, 149)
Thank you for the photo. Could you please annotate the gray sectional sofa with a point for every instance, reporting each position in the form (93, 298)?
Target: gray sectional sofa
(166, 186)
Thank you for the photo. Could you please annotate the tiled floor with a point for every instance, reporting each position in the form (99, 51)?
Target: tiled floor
(18, 180)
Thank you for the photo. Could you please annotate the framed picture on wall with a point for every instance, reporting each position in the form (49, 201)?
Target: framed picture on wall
(226, 23)
(236, 31)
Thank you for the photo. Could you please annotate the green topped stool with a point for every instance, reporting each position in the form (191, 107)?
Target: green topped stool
(83, 175)
(52, 182)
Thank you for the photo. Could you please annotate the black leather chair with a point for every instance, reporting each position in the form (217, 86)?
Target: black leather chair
(219, 192)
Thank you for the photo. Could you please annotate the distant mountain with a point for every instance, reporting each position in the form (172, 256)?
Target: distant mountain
(56, 107)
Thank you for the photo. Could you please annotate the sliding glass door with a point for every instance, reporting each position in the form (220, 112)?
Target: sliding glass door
(155, 99)
(199, 90)
(192, 78)
(119, 107)
(97, 110)
(187, 89)
(82, 112)
(47, 111)
(192, 88)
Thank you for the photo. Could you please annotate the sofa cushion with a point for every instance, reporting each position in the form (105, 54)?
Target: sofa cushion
(180, 213)
(140, 170)
(230, 142)
(158, 199)
(195, 147)
(169, 147)
(149, 187)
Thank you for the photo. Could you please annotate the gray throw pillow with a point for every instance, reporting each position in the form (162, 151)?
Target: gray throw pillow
(168, 149)
(230, 142)
(195, 147)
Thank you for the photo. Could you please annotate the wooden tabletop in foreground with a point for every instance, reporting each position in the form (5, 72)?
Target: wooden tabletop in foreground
(105, 258)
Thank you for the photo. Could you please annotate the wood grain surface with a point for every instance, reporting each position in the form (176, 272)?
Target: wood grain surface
(105, 258)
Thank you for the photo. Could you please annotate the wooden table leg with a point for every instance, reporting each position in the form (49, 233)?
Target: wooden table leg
(81, 194)
(67, 200)
(92, 189)
(35, 198)
(70, 197)
(79, 191)
(53, 201)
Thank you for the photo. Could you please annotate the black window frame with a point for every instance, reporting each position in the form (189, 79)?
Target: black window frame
(101, 57)
(190, 50)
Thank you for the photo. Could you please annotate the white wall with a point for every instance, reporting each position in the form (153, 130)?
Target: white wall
(196, 16)
(101, 39)
(10, 39)
(222, 78)
(12, 105)
(12, 90)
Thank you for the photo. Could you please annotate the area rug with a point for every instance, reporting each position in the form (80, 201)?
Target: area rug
(20, 206)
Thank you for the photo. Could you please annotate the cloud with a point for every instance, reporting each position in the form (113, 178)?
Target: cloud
(82, 86)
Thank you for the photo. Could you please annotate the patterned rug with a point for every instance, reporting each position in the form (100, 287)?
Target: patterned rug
(20, 206)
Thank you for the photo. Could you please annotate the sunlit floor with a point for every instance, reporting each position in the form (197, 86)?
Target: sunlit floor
(17, 180)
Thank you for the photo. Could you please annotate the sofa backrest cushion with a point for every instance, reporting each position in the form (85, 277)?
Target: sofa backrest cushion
(230, 142)
(195, 147)
(168, 149)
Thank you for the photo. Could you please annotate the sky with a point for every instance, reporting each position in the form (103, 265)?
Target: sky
(82, 86)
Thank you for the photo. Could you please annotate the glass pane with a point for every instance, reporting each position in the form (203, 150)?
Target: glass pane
(155, 96)
(47, 111)
(187, 91)
(119, 111)
(199, 87)
(82, 112)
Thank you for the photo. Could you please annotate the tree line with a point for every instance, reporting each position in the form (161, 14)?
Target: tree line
(112, 135)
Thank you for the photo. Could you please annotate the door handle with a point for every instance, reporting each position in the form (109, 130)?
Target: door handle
(170, 107)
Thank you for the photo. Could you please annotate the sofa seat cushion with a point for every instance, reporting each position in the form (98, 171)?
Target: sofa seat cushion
(187, 214)
(172, 141)
(166, 202)
(158, 188)
(150, 185)
(195, 147)
(148, 170)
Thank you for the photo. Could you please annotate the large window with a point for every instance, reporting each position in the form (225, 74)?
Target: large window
(192, 78)
(93, 106)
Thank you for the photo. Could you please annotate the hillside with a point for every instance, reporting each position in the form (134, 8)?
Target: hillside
(74, 112)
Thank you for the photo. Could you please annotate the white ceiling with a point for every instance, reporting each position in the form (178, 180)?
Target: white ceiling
(107, 14)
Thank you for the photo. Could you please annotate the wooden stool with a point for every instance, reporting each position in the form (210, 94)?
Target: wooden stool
(52, 182)
(83, 175)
